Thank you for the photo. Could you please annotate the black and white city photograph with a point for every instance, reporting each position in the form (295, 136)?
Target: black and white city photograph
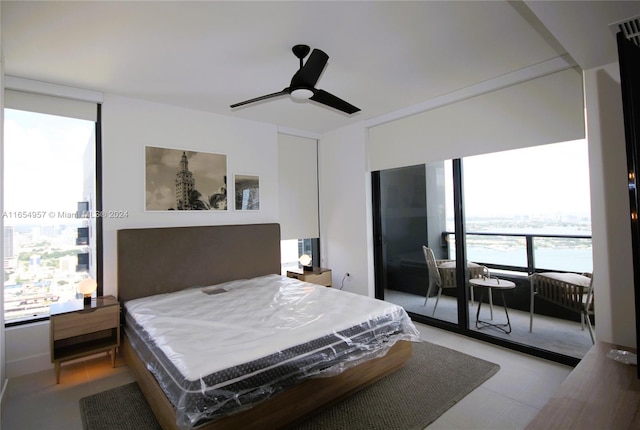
(184, 180)
(247, 191)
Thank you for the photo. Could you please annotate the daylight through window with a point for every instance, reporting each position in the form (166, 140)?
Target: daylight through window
(50, 194)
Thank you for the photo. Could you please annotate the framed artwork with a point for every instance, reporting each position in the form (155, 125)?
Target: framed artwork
(177, 179)
(247, 191)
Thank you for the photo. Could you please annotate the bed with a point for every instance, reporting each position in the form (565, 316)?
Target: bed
(193, 293)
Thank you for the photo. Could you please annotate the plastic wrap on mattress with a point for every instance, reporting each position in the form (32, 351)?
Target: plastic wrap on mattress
(220, 349)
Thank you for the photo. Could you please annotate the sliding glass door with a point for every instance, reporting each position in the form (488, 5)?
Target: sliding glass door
(415, 210)
(458, 240)
(528, 211)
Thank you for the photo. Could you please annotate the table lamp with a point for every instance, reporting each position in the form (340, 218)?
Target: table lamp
(87, 287)
(305, 261)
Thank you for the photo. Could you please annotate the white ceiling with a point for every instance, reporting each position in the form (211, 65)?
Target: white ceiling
(384, 56)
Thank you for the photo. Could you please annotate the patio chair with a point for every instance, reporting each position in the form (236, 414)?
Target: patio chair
(448, 274)
(442, 274)
(434, 276)
(571, 291)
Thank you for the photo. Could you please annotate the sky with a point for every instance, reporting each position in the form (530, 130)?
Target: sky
(42, 160)
(542, 180)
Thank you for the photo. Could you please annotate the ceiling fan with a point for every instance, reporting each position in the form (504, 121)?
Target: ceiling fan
(303, 83)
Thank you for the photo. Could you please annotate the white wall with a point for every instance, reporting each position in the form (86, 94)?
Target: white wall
(346, 235)
(612, 253)
(27, 349)
(129, 125)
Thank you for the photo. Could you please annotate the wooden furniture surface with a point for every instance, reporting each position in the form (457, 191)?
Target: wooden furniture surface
(600, 393)
(284, 409)
(318, 275)
(78, 330)
(161, 260)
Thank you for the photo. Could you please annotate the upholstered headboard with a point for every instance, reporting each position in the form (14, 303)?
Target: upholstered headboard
(161, 260)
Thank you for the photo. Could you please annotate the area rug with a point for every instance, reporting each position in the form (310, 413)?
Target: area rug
(433, 380)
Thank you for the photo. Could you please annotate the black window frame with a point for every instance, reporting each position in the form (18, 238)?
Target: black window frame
(98, 221)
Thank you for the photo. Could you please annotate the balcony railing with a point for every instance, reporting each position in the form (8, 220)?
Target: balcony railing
(525, 252)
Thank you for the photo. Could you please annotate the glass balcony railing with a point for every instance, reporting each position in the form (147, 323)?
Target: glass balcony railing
(526, 253)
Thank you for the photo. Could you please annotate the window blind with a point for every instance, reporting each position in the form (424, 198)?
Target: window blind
(548, 109)
(50, 105)
(298, 187)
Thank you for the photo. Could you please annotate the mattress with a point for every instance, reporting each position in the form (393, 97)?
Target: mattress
(220, 349)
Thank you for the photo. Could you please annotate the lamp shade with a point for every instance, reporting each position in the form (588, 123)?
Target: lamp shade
(87, 286)
(301, 94)
(305, 260)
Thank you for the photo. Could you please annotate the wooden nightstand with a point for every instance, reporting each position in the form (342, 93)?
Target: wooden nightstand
(318, 276)
(78, 330)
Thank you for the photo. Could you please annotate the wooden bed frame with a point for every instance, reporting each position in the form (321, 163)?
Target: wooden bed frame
(160, 260)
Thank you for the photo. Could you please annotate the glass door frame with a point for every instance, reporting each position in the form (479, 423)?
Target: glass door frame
(462, 294)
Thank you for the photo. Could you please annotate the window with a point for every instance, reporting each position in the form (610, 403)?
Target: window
(536, 198)
(51, 234)
(298, 190)
(292, 249)
(518, 212)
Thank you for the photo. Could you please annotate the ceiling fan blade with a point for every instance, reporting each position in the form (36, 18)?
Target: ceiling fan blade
(265, 97)
(309, 74)
(321, 96)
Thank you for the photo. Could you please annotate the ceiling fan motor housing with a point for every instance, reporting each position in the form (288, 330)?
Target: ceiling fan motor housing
(301, 51)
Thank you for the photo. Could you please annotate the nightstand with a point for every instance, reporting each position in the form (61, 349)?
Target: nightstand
(78, 330)
(318, 276)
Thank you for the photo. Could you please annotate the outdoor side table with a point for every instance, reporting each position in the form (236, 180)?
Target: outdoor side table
(492, 284)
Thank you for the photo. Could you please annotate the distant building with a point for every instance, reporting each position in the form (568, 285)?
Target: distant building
(9, 248)
(34, 261)
(185, 183)
(10, 264)
(66, 237)
(68, 263)
(35, 234)
(48, 231)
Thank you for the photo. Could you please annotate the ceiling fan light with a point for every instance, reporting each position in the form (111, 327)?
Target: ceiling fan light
(301, 94)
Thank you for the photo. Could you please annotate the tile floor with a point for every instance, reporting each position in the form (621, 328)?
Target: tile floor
(35, 401)
(552, 334)
(508, 400)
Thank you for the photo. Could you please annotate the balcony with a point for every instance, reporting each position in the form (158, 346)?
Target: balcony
(510, 256)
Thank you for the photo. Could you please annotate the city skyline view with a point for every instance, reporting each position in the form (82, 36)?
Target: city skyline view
(542, 185)
(44, 180)
(541, 190)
